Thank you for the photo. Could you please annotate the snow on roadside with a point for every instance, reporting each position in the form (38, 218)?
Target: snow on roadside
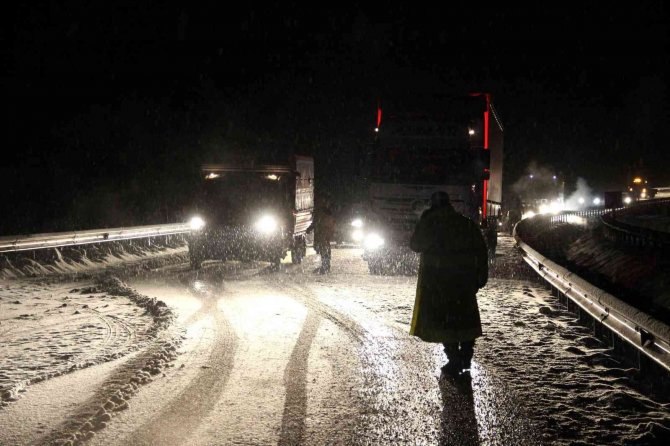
(48, 329)
(88, 258)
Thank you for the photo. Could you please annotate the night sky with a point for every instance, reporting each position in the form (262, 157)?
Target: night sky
(110, 109)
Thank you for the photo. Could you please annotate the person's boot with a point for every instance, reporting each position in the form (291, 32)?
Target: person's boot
(466, 365)
(452, 368)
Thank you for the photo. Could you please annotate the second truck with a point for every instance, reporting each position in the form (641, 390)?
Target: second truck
(451, 144)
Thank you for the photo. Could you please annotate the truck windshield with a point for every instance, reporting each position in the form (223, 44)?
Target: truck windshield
(420, 149)
(423, 166)
(234, 196)
(259, 187)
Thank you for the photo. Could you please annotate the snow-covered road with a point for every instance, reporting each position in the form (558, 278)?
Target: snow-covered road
(292, 357)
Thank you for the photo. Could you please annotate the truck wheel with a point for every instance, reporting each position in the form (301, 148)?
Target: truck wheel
(196, 263)
(274, 264)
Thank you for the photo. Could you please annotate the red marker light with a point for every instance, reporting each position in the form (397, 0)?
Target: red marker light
(485, 194)
(486, 130)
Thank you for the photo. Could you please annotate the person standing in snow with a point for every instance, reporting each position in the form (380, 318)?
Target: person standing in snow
(453, 266)
(323, 226)
(491, 239)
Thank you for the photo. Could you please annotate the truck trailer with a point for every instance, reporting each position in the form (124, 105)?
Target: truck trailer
(451, 144)
(252, 212)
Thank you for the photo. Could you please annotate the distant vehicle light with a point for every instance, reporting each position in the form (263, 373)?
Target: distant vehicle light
(267, 224)
(272, 176)
(627, 200)
(197, 223)
(556, 207)
(499, 223)
(637, 180)
(357, 235)
(471, 132)
(530, 176)
(211, 176)
(596, 201)
(373, 241)
(581, 200)
(357, 223)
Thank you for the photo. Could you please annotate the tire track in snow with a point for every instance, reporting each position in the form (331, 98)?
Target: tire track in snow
(295, 381)
(398, 381)
(371, 377)
(184, 413)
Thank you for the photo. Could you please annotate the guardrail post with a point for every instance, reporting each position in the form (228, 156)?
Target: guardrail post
(598, 331)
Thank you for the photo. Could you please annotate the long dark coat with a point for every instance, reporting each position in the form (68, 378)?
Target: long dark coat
(454, 265)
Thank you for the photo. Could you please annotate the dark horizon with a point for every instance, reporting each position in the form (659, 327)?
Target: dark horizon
(114, 105)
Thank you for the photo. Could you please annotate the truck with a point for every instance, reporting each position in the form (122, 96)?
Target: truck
(639, 188)
(252, 212)
(446, 143)
(541, 192)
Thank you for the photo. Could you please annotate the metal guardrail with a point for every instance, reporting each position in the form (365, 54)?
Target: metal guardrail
(587, 216)
(619, 231)
(632, 234)
(60, 239)
(650, 336)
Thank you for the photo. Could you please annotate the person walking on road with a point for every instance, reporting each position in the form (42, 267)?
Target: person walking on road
(453, 266)
(323, 226)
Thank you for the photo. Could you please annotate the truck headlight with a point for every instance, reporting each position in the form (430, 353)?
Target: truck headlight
(267, 224)
(357, 235)
(197, 223)
(373, 241)
(357, 223)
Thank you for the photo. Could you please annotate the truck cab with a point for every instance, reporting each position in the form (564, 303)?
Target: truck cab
(252, 212)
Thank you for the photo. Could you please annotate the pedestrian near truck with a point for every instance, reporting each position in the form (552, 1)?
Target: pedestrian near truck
(323, 226)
